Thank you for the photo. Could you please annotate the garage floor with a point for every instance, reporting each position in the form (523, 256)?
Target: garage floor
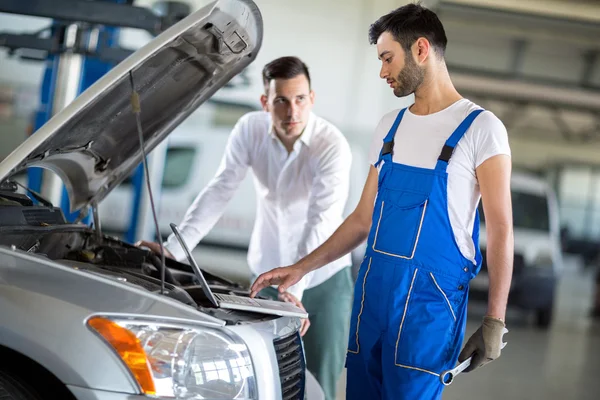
(562, 363)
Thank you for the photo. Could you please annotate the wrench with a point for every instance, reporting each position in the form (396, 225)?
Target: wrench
(448, 376)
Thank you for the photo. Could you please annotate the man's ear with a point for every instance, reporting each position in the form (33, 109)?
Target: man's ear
(312, 97)
(264, 101)
(422, 50)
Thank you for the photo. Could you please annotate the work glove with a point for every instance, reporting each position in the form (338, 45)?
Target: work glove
(485, 344)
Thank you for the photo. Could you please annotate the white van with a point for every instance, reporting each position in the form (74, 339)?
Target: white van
(538, 257)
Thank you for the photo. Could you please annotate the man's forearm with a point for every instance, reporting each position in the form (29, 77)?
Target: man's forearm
(500, 254)
(352, 232)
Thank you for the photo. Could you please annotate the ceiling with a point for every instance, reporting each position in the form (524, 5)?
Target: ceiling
(577, 9)
(536, 64)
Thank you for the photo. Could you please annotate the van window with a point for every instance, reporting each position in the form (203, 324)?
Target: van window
(530, 211)
(226, 114)
(178, 166)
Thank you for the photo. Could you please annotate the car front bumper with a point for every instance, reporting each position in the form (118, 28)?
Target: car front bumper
(93, 394)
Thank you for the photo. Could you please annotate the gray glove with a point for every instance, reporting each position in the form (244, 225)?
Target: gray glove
(485, 344)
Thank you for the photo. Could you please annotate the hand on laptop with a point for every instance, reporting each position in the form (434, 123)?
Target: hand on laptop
(154, 247)
(290, 298)
(284, 277)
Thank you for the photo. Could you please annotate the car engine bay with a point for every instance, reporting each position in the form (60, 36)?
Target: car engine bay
(43, 231)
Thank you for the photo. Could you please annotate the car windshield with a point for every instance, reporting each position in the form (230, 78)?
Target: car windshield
(530, 211)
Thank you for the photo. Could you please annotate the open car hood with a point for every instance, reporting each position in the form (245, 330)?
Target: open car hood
(92, 144)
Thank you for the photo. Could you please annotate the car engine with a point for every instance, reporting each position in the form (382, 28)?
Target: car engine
(43, 231)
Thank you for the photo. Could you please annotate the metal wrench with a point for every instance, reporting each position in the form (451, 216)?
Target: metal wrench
(448, 376)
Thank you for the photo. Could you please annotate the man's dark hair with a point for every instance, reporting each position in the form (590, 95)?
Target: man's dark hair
(284, 68)
(407, 24)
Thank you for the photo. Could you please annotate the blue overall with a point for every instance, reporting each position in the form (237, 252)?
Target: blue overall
(410, 299)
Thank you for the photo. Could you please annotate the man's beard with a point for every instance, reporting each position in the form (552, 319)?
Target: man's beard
(409, 79)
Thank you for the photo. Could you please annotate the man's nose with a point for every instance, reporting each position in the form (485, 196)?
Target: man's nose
(383, 73)
(293, 110)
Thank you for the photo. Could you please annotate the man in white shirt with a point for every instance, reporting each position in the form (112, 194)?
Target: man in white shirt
(301, 167)
(431, 164)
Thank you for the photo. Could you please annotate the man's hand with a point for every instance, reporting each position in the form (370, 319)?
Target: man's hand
(284, 277)
(485, 345)
(351, 233)
(154, 247)
(290, 298)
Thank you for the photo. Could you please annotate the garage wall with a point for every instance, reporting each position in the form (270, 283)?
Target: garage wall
(12, 70)
(537, 154)
(22, 76)
(331, 37)
(584, 9)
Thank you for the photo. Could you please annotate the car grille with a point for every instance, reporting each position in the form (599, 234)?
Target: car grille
(290, 358)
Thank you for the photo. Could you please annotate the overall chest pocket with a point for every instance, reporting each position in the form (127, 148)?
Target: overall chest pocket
(401, 215)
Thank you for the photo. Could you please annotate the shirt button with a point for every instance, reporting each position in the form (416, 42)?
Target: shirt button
(460, 287)
(466, 269)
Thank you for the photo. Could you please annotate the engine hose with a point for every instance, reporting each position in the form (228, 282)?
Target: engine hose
(169, 278)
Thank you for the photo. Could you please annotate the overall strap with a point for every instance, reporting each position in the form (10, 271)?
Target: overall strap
(453, 140)
(475, 237)
(387, 151)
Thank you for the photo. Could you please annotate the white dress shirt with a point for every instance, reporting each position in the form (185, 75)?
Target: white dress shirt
(301, 195)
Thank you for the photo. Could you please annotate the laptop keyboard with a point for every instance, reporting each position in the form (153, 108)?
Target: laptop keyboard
(246, 301)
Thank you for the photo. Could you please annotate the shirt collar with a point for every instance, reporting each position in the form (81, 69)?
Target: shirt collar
(306, 135)
(308, 130)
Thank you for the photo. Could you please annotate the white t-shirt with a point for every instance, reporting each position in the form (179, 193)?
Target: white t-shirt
(419, 141)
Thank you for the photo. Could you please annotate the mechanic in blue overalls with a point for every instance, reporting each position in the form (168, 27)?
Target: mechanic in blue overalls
(431, 164)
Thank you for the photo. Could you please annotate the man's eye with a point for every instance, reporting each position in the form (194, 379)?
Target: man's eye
(388, 60)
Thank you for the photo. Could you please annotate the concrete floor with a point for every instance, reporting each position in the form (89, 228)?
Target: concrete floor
(559, 364)
(562, 363)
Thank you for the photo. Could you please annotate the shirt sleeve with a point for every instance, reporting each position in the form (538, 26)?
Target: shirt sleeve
(328, 196)
(210, 203)
(384, 125)
(490, 138)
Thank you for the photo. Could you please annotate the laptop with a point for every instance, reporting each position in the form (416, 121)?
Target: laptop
(232, 302)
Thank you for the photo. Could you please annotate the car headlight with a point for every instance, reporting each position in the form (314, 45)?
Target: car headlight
(181, 362)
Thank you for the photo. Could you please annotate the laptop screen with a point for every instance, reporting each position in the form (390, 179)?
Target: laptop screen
(194, 265)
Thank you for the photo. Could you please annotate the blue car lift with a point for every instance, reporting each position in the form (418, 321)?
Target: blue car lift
(83, 45)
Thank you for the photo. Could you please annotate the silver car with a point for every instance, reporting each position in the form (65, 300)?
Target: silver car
(86, 316)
